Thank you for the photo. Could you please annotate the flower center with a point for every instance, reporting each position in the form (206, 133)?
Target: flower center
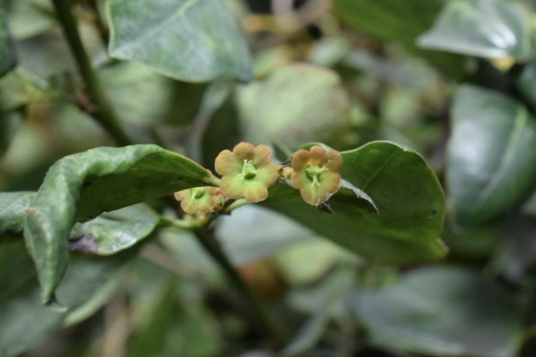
(197, 193)
(249, 171)
(313, 173)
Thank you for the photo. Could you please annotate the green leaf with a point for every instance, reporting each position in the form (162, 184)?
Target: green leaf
(484, 28)
(29, 18)
(406, 192)
(25, 322)
(7, 51)
(13, 206)
(311, 105)
(86, 184)
(402, 22)
(190, 40)
(442, 311)
(176, 325)
(526, 82)
(516, 259)
(491, 161)
(145, 98)
(115, 231)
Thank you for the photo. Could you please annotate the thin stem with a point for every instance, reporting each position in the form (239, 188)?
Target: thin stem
(236, 204)
(98, 106)
(268, 323)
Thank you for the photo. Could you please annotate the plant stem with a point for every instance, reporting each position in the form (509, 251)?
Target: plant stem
(269, 324)
(98, 107)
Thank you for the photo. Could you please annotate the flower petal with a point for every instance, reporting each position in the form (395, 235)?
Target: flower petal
(300, 160)
(313, 195)
(299, 179)
(267, 175)
(227, 163)
(232, 186)
(255, 191)
(334, 161)
(330, 181)
(263, 156)
(317, 156)
(244, 151)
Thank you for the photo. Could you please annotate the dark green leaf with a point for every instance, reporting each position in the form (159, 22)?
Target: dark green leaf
(491, 156)
(13, 206)
(399, 21)
(7, 51)
(190, 40)
(516, 260)
(484, 28)
(86, 184)
(25, 322)
(345, 185)
(442, 311)
(311, 105)
(526, 83)
(114, 231)
(406, 192)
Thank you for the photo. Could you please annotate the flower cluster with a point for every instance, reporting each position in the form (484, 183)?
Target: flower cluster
(248, 172)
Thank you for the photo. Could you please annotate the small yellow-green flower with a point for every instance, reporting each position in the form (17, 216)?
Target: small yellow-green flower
(200, 199)
(316, 173)
(247, 171)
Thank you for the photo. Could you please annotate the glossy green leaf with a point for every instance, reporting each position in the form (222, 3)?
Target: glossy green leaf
(442, 311)
(401, 22)
(13, 206)
(86, 184)
(484, 28)
(491, 161)
(25, 322)
(7, 51)
(114, 231)
(405, 190)
(311, 105)
(190, 40)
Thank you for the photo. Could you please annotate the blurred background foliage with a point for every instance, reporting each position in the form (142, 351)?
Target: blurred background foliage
(454, 80)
